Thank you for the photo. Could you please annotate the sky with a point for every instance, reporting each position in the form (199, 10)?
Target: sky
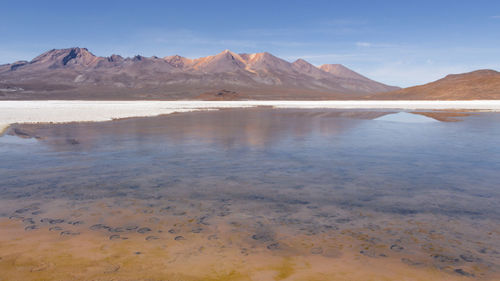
(401, 43)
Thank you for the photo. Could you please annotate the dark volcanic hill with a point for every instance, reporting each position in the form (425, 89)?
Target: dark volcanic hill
(76, 73)
(476, 85)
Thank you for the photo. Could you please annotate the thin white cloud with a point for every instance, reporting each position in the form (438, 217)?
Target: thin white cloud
(495, 17)
(325, 57)
(364, 44)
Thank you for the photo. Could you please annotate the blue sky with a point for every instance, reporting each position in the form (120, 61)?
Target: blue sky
(396, 42)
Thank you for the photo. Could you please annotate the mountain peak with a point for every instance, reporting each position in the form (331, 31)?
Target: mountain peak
(225, 61)
(300, 63)
(178, 61)
(63, 57)
(342, 71)
(267, 62)
(173, 57)
(115, 58)
(306, 67)
(138, 58)
(262, 55)
(229, 54)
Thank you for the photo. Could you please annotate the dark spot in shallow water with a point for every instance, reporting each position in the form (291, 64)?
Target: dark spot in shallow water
(178, 238)
(401, 211)
(99, 226)
(114, 237)
(488, 251)
(343, 220)
(69, 233)
(16, 217)
(149, 238)
(56, 221)
(29, 221)
(254, 197)
(144, 230)
(116, 229)
(463, 273)
(411, 262)
(202, 220)
(273, 246)
(445, 259)
(396, 248)
(72, 141)
(197, 230)
(297, 201)
(469, 258)
(31, 227)
(26, 209)
(244, 251)
(263, 237)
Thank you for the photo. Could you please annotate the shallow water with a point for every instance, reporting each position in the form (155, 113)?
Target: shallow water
(254, 194)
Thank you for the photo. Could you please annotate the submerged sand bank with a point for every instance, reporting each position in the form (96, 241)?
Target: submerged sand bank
(89, 111)
(134, 239)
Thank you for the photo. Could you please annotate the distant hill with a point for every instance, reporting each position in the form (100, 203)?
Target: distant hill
(76, 73)
(480, 84)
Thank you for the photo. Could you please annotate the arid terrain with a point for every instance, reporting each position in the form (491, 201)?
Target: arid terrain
(76, 73)
(476, 85)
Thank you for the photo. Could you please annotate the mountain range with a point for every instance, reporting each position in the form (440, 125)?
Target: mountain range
(76, 73)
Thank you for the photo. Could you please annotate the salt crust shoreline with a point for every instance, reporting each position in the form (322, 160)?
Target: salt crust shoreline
(64, 111)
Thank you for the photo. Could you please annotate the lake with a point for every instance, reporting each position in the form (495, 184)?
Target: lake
(253, 194)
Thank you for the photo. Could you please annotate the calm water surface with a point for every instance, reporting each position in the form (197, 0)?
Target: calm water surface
(284, 183)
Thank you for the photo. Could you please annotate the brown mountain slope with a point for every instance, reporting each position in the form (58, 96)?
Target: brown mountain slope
(346, 74)
(342, 71)
(480, 84)
(76, 73)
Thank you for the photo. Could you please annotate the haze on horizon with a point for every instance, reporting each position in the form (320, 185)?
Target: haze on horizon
(392, 42)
